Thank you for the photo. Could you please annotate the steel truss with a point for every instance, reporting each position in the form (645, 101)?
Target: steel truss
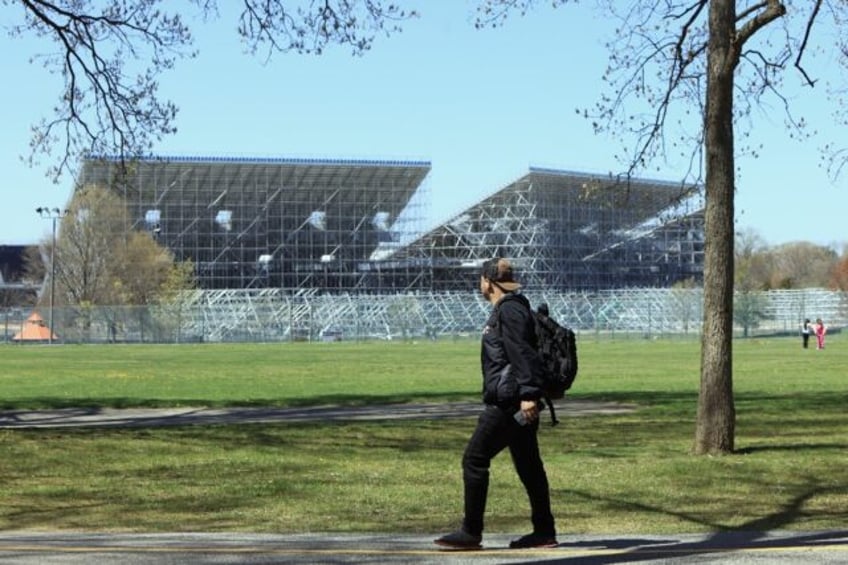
(273, 314)
(354, 226)
(274, 223)
(572, 231)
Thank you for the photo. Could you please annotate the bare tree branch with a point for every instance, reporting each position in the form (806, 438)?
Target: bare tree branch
(494, 13)
(272, 25)
(657, 59)
(110, 55)
(803, 48)
(102, 107)
(773, 9)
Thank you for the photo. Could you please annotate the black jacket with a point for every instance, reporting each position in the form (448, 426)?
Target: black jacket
(509, 360)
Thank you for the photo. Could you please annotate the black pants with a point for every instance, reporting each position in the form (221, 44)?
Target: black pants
(497, 430)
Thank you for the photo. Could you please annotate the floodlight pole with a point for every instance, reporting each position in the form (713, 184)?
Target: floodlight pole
(53, 214)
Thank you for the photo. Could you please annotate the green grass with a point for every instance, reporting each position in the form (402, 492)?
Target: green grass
(243, 374)
(608, 474)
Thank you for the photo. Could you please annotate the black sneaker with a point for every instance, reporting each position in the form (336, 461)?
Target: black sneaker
(534, 540)
(460, 540)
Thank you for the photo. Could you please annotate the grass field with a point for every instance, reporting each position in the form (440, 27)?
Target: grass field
(622, 473)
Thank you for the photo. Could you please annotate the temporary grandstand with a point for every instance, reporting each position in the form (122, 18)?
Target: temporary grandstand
(570, 231)
(273, 223)
(354, 226)
(309, 249)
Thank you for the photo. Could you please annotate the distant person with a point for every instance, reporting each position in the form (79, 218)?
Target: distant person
(820, 331)
(512, 395)
(543, 309)
(806, 331)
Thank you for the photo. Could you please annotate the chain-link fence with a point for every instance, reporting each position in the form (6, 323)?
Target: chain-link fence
(274, 315)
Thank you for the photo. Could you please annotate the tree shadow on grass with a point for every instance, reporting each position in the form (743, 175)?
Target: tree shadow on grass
(790, 447)
(719, 544)
(672, 402)
(813, 399)
(754, 535)
(103, 417)
(64, 402)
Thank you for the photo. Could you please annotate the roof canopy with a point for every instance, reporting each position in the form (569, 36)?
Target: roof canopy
(34, 329)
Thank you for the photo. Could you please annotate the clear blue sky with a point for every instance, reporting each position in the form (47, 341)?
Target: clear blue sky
(482, 106)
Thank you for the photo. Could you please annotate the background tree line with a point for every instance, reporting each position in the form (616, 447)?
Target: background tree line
(791, 265)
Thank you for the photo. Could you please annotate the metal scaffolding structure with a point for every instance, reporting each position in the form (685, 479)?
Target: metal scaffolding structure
(294, 249)
(271, 315)
(273, 223)
(275, 315)
(338, 226)
(571, 231)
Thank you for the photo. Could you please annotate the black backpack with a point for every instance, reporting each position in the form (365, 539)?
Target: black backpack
(557, 346)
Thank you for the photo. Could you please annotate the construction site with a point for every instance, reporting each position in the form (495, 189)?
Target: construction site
(298, 249)
(357, 226)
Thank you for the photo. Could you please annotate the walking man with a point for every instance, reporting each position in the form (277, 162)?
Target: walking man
(512, 394)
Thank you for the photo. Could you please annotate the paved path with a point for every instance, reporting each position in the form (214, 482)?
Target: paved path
(740, 548)
(147, 417)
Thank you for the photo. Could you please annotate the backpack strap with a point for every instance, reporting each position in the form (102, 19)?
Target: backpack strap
(552, 410)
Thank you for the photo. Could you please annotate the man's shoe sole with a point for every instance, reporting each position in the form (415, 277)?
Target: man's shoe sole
(459, 547)
(549, 545)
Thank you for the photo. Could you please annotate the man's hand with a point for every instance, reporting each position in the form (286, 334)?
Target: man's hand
(530, 408)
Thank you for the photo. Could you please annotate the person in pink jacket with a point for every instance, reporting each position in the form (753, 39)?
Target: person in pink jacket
(820, 330)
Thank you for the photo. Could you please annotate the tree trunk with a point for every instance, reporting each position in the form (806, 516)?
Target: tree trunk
(716, 419)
